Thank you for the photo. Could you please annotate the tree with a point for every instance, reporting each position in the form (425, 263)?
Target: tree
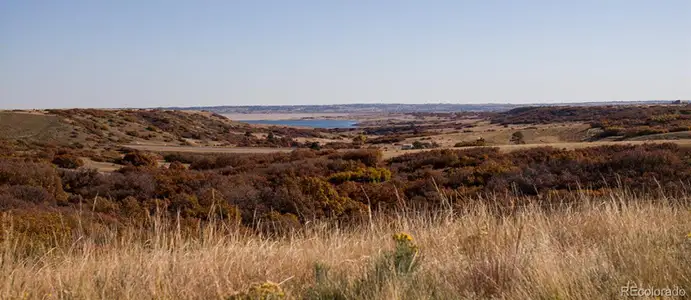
(518, 138)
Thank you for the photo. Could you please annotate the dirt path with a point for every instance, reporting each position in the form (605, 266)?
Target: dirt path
(100, 166)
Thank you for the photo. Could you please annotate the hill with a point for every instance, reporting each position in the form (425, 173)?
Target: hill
(97, 133)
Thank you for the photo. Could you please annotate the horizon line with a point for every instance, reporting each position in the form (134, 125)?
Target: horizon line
(372, 104)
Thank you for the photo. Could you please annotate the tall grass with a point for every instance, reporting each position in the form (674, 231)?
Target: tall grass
(584, 251)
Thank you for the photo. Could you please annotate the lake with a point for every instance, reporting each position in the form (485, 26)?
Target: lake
(314, 123)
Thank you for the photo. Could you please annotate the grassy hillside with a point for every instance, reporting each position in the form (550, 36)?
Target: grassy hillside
(99, 134)
(623, 122)
(32, 126)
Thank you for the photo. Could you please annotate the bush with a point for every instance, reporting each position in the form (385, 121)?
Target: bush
(68, 161)
(362, 175)
(389, 268)
(518, 138)
(315, 146)
(139, 159)
(176, 165)
(424, 145)
(369, 157)
(35, 174)
(477, 143)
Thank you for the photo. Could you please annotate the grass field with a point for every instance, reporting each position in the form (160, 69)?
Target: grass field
(30, 126)
(581, 252)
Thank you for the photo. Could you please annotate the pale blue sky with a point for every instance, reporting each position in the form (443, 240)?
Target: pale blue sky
(145, 53)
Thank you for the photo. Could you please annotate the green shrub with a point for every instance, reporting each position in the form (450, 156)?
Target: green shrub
(261, 291)
(518, 138)
(391, 267)
(362, 175)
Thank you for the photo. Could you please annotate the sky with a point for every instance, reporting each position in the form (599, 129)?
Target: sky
(152, 53)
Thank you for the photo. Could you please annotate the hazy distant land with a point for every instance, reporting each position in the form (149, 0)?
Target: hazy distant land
(278, 112)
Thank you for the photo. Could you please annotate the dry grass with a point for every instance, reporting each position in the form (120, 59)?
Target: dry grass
(34, 126)
(497, 135)
(583, 252)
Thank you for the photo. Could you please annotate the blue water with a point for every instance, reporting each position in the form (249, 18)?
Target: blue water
(315, 123)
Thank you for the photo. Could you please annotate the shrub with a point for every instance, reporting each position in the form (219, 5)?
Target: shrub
(369, 157)
(275, 222)
(30, 194)
(389, 268)
(424, 145)
(176, 165)
(36, 174)
(362, 175)
(518, 138)
(477, 143)
(405, 253)
(261, 291)
(359, 139)
(68, 161)
(315, 146)
(139, 159)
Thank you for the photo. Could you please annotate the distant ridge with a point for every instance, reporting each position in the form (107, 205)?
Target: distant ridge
(399, 107)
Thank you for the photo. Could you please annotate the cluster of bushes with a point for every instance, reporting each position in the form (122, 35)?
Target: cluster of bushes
(397, 138)
(624, 121)
(67, 161)
(425, 145)
(289, 188)
(630, 132)
(172, 125)
(138, 159)
(26, 182)
(476, 143)
(541, 170)
(399, 132)
(271, 140)
(615, 113)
